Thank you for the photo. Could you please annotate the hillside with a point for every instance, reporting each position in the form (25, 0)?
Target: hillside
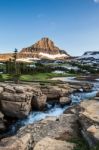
(90, 57)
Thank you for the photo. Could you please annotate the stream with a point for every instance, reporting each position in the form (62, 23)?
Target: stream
(56, 110)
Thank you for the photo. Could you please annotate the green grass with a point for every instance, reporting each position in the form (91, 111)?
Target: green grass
(34, 76)
(41, 76)
(95, 148)
(80, 144)
(4, 77)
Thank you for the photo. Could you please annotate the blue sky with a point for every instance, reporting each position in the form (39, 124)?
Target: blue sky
(72, 24)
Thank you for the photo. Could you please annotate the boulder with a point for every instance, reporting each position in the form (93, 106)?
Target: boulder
(96, 98)
(1, 89)
(81, 86)
(75, 87)
(97, 94)
(89, 121)
(22, 89)
(2, 125)
(61, 128)
(51, 93)
(54, 93)
(13, 97)
(16, 105)
(53, 144)
(65, 100)
(1, 115)
(2, 122)
(9, 88)
(16, 143)
(39, 102)
(64, 127)
(87, 87)
(16, 100)
(19, 89)
(90, 109)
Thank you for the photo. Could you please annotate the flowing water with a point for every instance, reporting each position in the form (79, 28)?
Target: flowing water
(57, 110)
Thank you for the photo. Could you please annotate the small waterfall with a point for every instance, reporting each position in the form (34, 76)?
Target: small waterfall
(56, 111)
(78, 97)
(34, 117)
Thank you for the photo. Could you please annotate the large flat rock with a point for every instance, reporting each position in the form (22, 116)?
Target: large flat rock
(16, 143)
(90, 109)
(58, 130)
(89, 120)
(53, 144)
(63, 127)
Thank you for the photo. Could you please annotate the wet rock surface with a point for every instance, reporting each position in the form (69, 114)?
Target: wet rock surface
(18, 100)
(58, 129)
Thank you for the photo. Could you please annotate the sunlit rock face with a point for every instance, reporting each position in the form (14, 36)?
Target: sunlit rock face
(5, 57)
(53, 144)
(50, 133)
(46, 43)
(15, 101)
(44, 48)
(89, 120)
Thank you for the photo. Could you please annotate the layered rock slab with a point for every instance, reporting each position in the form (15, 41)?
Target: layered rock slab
(16, 143)
(53, 144)
(58, 130)
(16, 100)
(53, 127)
(89, 120)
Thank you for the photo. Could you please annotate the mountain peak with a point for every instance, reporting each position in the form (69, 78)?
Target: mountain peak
(44, 48)
(45, 43)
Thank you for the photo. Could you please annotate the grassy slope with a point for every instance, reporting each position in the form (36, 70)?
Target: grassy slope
(34, 77)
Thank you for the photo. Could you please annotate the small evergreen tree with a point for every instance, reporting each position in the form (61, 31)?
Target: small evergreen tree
(16, 67)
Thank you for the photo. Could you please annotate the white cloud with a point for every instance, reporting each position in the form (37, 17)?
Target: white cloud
(96, 1)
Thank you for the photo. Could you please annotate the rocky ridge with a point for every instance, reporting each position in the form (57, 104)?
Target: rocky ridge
(45, 48)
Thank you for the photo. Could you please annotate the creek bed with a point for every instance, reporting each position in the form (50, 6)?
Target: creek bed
(55, 110)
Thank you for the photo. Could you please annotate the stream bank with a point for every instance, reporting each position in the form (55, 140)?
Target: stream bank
(58, 99)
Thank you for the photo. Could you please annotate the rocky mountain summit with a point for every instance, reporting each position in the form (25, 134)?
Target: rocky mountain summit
(44, 45)
(44, 48)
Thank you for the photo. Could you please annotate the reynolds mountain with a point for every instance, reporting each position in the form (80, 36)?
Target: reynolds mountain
(45, 48)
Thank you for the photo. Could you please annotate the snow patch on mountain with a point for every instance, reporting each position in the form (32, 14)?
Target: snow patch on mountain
(54, 56)
(27, 60)
(90, 55)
